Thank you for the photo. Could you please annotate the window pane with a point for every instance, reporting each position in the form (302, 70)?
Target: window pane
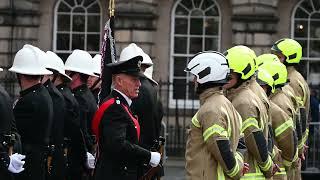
(94, 8)
(316, 4)
(181, 26)
(314, 74)
(63, 23)
(192, 91)
(63, 56)
(179, 89)
(93, 24)
(78, 23)
(196, 26)
(301, 13)
(304, 44)
(195, 45)
(79, 10)
(197, 12)
(306, 5)
(180, 63)
(187, 4)
(79, 1)
(88, 2)
(93, 42)
(212, 11)
(63, 41)
(212, 26)
(211, 44)
(206, 4)
(197, 3)
(181, 11)
(180, 45)
(315, 29)
(77, 41)
(301, 29)
(63, 7)
(70, 2)
(314, 48)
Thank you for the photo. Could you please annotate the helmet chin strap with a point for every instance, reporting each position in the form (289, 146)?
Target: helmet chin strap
(55, 76)
(94, 84)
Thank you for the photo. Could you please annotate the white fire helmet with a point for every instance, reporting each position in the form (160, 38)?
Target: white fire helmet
(148, 73)
(209, 67)
(129, 52)
(80, 61)
(146, 60)
(27, 62)
(97, 64)
(56, 63)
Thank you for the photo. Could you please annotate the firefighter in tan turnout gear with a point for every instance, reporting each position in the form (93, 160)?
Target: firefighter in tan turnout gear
(272, 74)
(289, 52)
(215, 128)
(254, 118)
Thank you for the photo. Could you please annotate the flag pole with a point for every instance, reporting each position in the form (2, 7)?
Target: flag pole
(108, 53)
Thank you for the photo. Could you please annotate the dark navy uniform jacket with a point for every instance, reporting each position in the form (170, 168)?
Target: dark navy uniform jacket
(33, 115)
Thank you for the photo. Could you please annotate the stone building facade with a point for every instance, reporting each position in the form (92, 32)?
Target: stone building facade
(170, 31)
(151, 24)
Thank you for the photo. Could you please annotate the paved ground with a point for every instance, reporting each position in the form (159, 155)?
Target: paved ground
(174, 169)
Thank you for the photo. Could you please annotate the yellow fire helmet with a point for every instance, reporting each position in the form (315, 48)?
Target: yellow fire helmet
(278, 72)
(265, 78)
(290, 48)
(266, 58)
(241, 61)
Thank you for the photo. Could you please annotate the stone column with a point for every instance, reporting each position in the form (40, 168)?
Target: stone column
(19, 22)
(254, 24)
(136, 22)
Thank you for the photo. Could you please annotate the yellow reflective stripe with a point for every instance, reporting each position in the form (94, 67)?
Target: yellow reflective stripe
(220, 173)
(239, 157)
(295, 157)
(195, 121)
(286, 163)
(235, 170)
(214, 129)
(282, 172)
(284, 126)
(229, 121)
(304, 92)
(255, 176)
(301, 144)
(299, 100)
(249, 122)
(267, 165)
(273, 153)
(305, 136)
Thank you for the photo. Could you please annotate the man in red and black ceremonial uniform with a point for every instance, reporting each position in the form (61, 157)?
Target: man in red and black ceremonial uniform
(117, 129)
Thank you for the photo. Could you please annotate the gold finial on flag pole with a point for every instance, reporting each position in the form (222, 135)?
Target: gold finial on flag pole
(111, 7)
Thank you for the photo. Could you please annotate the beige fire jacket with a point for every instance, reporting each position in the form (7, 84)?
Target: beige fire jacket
(254, 119)
(215, 120)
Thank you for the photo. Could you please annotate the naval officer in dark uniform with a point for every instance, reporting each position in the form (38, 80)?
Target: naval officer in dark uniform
(117, 129)
(32, 112)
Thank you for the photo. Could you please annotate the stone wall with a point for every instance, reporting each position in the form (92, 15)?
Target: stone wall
(254, 23)
(19, 23)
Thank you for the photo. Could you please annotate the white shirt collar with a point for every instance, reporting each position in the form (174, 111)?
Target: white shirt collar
(129, 101)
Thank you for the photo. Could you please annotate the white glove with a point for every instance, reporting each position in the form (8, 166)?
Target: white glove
(16, 163)
(90, 161)
(155, 159)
